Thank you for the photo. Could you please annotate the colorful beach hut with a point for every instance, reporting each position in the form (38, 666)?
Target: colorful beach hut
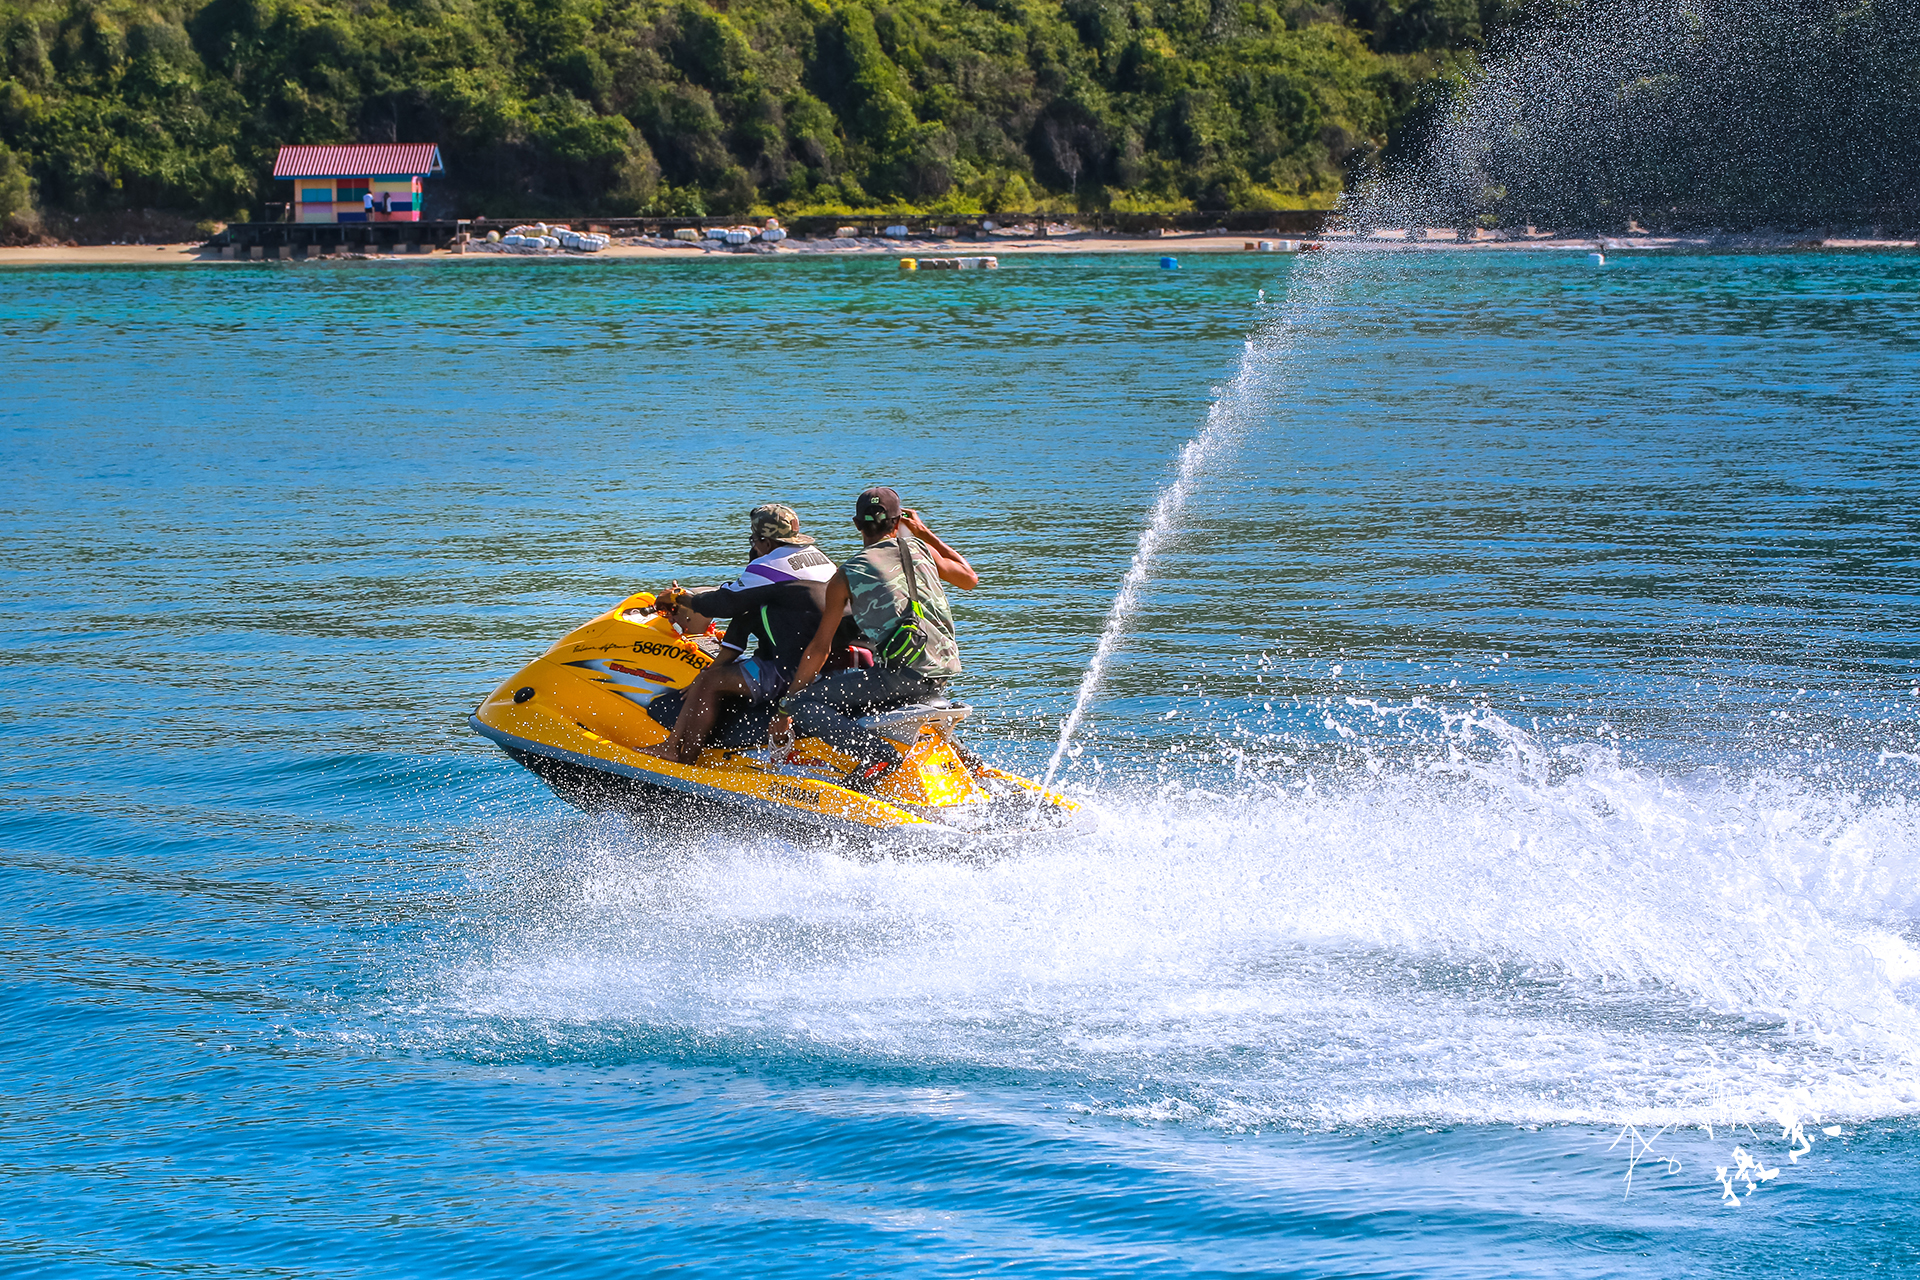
(332, 184)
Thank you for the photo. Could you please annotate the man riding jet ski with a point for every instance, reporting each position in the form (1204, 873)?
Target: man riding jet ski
(777, 601)
(892, 586)
(876, 755)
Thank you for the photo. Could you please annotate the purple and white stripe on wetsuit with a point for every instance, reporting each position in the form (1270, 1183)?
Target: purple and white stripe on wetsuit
(784, 564)
(778, 597)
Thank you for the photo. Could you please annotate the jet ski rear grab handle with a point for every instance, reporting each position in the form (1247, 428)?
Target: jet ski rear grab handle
(888, 723)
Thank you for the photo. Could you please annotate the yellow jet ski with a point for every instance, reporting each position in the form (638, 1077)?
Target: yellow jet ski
(575, 715)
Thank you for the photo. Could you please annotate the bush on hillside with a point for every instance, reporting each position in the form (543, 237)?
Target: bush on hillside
(19, 221)
(688, 107)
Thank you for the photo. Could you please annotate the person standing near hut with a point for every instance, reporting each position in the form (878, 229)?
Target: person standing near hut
(366, 201)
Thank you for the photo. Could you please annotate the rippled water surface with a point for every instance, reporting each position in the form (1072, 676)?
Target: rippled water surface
(1504, 788)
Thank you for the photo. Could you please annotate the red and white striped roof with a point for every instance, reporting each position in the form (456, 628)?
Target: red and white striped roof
(404, 159)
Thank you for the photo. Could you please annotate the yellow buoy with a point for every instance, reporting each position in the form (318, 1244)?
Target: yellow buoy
(909, 264)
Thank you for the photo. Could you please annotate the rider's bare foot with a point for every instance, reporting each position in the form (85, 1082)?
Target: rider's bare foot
(661, 751)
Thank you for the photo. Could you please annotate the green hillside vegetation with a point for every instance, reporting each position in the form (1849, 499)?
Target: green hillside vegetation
(697, 108)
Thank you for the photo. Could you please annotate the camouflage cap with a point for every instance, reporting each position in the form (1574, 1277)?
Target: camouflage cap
(776, 522)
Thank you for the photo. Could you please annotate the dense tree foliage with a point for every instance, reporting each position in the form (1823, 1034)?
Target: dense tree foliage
(1587, 112)
(722, 106)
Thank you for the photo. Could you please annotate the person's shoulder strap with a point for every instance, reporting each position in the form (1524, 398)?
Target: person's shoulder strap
(905, 552)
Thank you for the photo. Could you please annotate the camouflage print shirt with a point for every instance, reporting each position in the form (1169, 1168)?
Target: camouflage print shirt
(877, 587)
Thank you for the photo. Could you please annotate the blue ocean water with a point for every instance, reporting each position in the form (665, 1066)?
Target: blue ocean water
(1504, 788)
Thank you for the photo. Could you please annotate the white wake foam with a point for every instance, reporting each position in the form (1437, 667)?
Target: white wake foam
(1451, 940)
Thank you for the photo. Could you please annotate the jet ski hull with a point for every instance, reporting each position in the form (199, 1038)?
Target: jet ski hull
(576, 716)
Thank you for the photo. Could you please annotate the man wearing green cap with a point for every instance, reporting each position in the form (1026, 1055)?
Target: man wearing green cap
(895, 589)
(778, 601)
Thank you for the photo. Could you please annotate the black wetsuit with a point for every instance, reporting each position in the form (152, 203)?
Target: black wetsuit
(778, 598)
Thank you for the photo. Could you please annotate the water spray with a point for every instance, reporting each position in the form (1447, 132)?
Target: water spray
(1219, 435)
(1227, 421)
(1539, 131)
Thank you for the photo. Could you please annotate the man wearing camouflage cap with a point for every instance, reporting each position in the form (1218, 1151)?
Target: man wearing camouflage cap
(778, 599)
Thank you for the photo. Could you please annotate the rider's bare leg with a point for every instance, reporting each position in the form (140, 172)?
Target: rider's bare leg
(698, 711)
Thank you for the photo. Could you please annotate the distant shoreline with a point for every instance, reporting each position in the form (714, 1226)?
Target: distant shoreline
(1172, 244)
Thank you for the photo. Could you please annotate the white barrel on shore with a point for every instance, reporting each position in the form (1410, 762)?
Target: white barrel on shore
(774, 234)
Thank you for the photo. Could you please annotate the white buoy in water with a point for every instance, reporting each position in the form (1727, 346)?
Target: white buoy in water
(1597, 259)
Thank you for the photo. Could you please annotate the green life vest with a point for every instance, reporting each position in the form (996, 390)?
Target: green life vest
(882, 598)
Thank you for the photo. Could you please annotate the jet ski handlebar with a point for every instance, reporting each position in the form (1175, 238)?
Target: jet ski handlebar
(644, 605)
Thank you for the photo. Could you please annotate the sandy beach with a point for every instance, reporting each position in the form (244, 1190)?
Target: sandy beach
(1001, 245)
(103, 255)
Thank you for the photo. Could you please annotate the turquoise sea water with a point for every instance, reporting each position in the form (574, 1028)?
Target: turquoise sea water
(1516, 744)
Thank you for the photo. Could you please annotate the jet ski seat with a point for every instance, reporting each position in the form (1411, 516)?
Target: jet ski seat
(743, 728)
(902, 723)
